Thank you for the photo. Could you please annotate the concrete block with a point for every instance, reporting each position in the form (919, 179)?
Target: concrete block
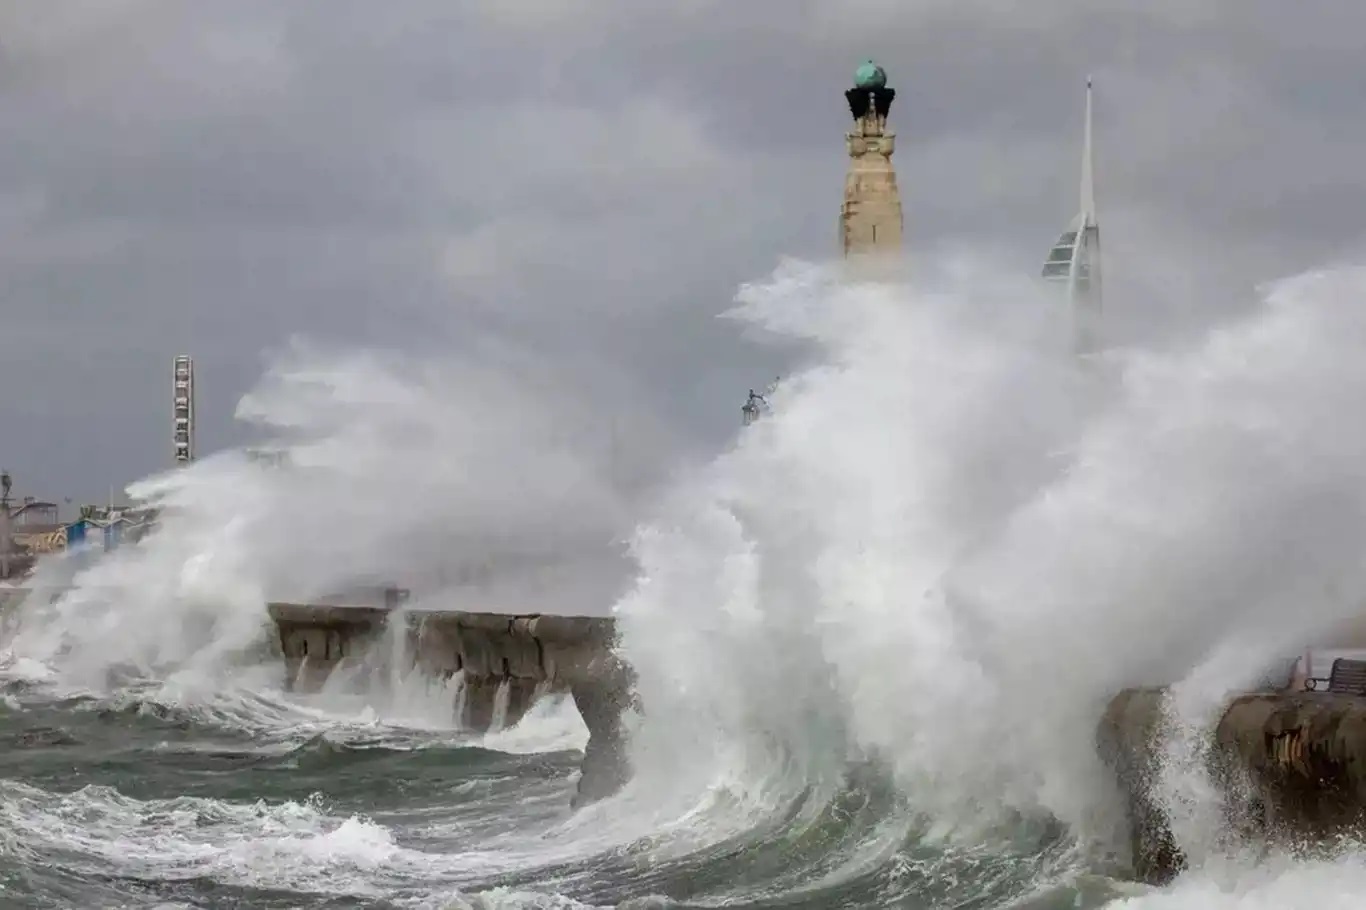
(478, 656)
(523, 657)
(1293, 765)
(436, 648)
(573, 629)
(494, 623)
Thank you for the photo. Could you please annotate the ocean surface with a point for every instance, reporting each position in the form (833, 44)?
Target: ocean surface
(146, 799)
(873, 634)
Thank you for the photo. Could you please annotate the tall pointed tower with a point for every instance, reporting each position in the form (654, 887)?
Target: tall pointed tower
(1074, 260)
(870, 219)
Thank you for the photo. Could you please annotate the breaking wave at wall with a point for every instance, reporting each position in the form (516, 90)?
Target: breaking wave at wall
(482, 485)
(948, 547)
(910, 588)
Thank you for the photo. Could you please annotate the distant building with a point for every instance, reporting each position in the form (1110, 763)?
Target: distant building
(1074, 262)
(34, 514)
(27, 529)
(34, 528)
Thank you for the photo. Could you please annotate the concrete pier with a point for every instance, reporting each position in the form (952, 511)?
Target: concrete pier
(1291, 765)
(523, 657)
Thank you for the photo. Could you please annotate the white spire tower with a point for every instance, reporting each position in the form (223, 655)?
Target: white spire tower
(1075, 259)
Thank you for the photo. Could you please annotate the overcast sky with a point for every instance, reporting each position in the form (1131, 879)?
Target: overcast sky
(590, 181)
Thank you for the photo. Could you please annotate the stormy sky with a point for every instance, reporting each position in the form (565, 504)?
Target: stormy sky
(590, 181)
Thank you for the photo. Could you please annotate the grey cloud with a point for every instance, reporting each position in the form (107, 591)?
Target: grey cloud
(592, 181)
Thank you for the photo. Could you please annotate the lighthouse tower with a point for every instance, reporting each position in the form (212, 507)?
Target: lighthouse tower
(870, 219)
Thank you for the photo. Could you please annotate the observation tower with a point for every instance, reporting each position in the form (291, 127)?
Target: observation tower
(1074, 261)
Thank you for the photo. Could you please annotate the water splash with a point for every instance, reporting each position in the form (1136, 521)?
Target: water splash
(948, 548)
(938, 555)
(480, 484)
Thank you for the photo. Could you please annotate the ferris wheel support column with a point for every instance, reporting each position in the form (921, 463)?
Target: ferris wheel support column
(183, 413)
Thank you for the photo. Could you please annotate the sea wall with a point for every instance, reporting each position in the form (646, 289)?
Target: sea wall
(1290, 765)
(501, 658)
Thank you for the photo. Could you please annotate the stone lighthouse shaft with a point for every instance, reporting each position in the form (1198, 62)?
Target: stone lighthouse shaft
(870, 218)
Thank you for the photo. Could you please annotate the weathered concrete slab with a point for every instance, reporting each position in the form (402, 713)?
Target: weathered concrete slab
(1293, 764)
(325, 614)
(514, 657)
(1129, 740)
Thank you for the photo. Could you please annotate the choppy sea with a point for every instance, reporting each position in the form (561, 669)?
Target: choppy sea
(873, 635)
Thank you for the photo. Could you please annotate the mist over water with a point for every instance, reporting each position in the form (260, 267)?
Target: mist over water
(479, 484)
(873, 635)
(948, 547)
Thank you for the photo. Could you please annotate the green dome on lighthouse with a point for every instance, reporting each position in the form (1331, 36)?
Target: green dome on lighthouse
(870, 76)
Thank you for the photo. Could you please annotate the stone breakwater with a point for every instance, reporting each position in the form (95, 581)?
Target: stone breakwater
(506, 663)
(1291, 766)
